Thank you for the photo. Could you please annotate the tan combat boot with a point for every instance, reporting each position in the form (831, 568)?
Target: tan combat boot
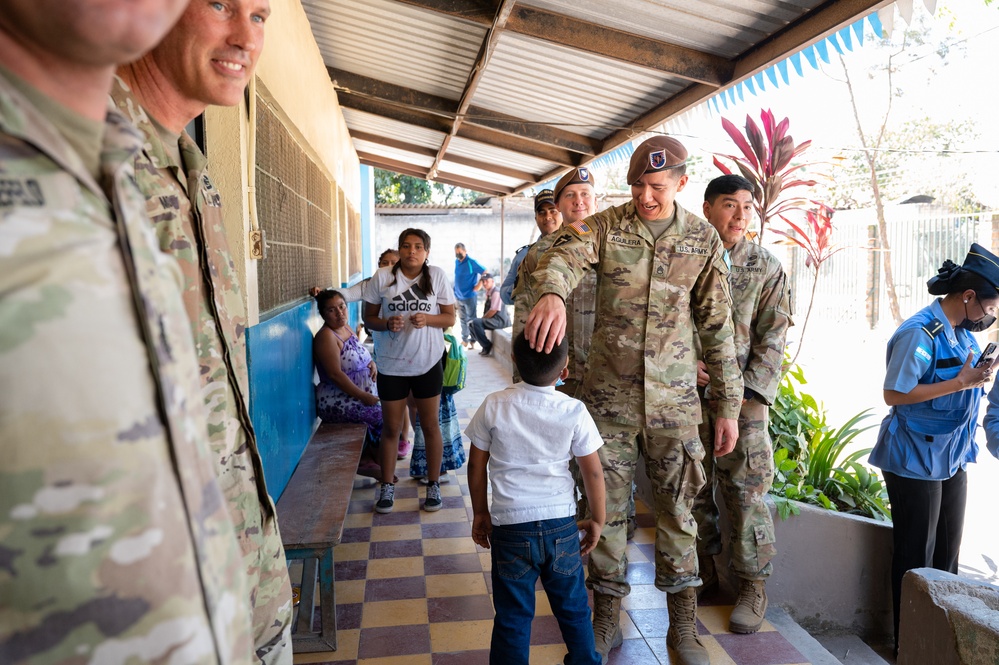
(750, 607)
(682, 634)
(709, 574)
(606, 624)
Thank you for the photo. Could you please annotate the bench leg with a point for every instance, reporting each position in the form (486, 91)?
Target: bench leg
(307, 602)
(327, 599)
(304, 639)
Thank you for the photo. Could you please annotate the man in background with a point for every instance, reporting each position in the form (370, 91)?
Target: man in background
(209, 58)
(761, 315)
(116, 543)
(494, 318)
(466, 281)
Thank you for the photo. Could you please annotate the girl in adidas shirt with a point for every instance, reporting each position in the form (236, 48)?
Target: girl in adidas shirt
(413, 302)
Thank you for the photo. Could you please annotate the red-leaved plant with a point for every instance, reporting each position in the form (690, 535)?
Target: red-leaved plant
(818, 246)
(766, 162)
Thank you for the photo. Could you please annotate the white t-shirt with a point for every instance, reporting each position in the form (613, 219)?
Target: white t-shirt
(411, 351)
(530, 432)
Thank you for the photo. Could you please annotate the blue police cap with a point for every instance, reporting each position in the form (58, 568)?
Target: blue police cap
(983, 263)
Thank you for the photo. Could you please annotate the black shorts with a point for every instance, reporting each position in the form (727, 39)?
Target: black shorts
(392, 388)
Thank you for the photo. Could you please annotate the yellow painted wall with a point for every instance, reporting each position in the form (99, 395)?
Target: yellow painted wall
(295, 77)
(291, 75)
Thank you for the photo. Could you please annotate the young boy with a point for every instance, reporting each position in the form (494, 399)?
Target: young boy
(526, 434)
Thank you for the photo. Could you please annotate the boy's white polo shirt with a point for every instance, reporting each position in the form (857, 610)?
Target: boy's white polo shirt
(530, 432)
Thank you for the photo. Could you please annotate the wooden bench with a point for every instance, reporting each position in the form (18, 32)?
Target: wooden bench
(311, 513)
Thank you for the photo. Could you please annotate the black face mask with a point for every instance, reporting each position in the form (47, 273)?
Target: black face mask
(981, 324)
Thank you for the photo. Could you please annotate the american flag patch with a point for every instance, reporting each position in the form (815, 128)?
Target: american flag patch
(580, 227)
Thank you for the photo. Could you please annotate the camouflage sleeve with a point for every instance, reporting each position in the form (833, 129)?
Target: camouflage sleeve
(770, 323)
(711, 303)
(575, 250)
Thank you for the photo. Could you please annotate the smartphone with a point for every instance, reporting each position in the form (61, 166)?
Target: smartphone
(986, 354)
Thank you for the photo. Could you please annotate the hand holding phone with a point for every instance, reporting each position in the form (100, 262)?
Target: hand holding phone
(986, 356)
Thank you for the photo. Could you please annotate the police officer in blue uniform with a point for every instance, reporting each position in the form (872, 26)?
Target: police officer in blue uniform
(928, 437)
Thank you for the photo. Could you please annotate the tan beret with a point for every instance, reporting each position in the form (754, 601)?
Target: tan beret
(577, 176)
(659, 153)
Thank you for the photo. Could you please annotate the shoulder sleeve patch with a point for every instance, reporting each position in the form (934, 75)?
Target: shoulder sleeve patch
(922, 353)
(580, 227)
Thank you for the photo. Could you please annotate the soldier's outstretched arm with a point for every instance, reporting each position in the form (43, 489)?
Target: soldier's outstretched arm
(546, 323)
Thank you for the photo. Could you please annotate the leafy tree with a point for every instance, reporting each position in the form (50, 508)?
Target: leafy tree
(393, 188)
(879, 146)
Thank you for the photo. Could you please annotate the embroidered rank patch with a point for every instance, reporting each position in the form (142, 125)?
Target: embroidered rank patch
(922, 354)
(580, 227)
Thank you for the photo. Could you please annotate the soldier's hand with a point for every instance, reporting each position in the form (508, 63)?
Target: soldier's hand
(726, 434)
(545, 325)
(702, 374)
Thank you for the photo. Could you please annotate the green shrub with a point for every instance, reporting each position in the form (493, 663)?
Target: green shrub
(807, 451)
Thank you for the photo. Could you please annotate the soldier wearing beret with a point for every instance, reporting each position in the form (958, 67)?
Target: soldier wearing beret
(162, 93)
(116, 545)
(761, 315)
(661, 279)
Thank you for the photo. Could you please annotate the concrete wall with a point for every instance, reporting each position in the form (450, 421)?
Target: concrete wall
(832, 571)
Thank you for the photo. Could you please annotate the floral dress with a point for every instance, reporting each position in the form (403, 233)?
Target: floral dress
(335, 406)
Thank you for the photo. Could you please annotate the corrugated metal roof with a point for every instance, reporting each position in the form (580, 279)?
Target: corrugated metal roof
(499, 95)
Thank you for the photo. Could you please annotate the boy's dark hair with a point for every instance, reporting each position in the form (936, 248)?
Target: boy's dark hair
(726, 184)
(537, 367)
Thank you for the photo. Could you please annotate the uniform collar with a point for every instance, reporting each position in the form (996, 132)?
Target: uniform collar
(632, 223)
(948, 329)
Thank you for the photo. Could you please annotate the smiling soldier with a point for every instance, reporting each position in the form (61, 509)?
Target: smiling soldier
(661, 279)
(209, 58)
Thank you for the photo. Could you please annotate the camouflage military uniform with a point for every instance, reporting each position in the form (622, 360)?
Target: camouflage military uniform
(214, 304)
(580, 312)
(115, 545)
(640, 378)
(761, 317)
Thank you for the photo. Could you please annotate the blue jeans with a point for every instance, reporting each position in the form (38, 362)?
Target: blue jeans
(466, 312)
(521, 553)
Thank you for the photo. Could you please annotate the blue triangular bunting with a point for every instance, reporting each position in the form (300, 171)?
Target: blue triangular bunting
(782, 68)
(796, 63)
(823, 50)
(809, 54)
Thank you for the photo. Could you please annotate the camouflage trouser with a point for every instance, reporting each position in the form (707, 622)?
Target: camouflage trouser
(673, 459)
(744, 477)
(272, 605)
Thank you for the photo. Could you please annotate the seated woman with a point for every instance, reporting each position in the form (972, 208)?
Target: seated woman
(346, 392)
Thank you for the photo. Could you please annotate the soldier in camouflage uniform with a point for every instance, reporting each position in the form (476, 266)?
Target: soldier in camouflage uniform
(660, 272)
(761, 316)
(115, 545)
(575, 199)
(165, 95)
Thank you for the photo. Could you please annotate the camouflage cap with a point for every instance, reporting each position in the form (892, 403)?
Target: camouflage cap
(578, 176)
(659, 153)
(543, 197)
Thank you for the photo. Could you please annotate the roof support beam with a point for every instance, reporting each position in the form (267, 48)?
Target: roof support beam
(814, 26)
(579, 35)
(450, 157)
(679, 61)
(446, 178)
(354, 85)
(478, 69)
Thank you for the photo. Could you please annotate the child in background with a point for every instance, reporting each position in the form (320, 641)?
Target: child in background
(526, 435)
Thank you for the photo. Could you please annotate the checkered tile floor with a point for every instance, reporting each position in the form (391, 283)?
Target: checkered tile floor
(413, 589)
